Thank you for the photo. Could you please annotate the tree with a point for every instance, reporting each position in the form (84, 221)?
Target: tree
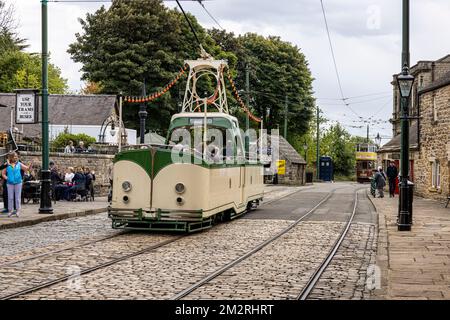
(23, 70)
(277, 69)
(136, 40)
(8, 37)
(62, 139)
(92, 88)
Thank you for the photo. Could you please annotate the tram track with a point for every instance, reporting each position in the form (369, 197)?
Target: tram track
(307, 289)
(317, 273)
(49, 253)
(218, 272)
(49, 283)
(148, 249)
(58, 280)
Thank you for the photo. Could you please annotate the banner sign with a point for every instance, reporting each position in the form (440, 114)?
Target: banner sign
(281, 166)
(26, 106)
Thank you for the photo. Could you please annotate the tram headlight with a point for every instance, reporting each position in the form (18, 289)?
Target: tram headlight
(126, 186)
(180, 188)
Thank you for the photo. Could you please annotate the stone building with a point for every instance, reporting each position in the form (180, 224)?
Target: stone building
(429, 130)
(295, 172)
(432, 166)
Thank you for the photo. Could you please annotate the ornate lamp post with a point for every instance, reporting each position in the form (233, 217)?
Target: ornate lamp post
(405, 82)
(378, 140)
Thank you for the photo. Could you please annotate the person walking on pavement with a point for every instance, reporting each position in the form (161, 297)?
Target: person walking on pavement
(5, 188)
(13, 175)
(380, 180)
(392, 173)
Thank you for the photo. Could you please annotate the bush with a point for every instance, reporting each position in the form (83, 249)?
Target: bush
(62, 140)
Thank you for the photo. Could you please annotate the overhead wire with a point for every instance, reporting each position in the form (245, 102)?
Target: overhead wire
(189, 22)
(334, 61)
(211, 16)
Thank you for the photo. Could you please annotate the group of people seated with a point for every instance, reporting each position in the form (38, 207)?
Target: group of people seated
(70, 148)
(78, 180)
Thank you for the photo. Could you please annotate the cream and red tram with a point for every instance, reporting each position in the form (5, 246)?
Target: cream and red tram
(366, 157)
(182, 186)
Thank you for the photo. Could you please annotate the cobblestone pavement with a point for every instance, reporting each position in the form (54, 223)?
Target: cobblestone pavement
(278, 271)
(170, 269)
(24, 242)
(347, 274)
(23, 275)
(61, 210)
(414, 264)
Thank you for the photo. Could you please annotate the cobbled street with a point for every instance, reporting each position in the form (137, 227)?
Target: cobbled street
(33, 256)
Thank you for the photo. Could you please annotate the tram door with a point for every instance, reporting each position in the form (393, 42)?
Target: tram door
(242, 184)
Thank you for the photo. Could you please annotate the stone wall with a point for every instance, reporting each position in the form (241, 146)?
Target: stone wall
(295, 174)
(95, 162)
(434, 144)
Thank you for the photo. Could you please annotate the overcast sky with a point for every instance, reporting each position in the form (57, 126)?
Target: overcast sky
(366, 36)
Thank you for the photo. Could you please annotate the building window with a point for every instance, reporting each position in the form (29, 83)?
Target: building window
(434, 109)
(435, 174)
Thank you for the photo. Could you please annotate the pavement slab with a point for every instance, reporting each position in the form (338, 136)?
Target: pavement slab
(414, 264)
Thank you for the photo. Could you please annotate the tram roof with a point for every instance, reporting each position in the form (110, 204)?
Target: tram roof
(202, 115)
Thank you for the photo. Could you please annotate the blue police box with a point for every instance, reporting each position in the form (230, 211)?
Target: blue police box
(326, 169)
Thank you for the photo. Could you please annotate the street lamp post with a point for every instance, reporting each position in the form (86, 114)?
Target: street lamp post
(45, 203)
(405, 82)
(305, 147)
(378, 140)
(142, 116)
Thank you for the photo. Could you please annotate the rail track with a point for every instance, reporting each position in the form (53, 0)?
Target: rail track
(49, 283)
(303, 295)
(307, 289)
(316, 275)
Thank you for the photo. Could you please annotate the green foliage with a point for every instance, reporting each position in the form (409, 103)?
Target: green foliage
(277, 69)
(335, 142)
(62, 140)
(23, 70)
(133, 40)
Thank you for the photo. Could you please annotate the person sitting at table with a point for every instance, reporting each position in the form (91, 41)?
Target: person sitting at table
(79, 183)
(61, 190)
(81, 148)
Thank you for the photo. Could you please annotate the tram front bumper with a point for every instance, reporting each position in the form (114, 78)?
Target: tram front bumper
(154, 215)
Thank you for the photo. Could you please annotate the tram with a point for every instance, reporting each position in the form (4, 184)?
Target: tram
(199, 177)
(366, 157)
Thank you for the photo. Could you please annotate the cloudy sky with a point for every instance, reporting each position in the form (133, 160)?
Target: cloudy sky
(366, 36)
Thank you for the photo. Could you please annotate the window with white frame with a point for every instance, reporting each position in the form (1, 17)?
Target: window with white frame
(435, 174)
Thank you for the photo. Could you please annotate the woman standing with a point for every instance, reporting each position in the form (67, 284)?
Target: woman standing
(13, 176)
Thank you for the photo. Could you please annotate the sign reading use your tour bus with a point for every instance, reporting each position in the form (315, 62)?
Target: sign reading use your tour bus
(26, 106)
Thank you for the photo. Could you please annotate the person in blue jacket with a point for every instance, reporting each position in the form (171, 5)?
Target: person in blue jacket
(13, 176)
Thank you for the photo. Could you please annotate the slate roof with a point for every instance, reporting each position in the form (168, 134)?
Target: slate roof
(63, 109)
(442, 82)
(288, 152)
(394, 144)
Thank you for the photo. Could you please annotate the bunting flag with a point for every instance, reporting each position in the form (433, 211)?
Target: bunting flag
(241, 103)
(156, 95)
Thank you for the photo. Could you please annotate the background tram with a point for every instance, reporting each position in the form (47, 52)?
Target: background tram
(366, 157)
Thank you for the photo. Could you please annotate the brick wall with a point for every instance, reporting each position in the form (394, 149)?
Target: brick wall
(96, 162)
(434, 144)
